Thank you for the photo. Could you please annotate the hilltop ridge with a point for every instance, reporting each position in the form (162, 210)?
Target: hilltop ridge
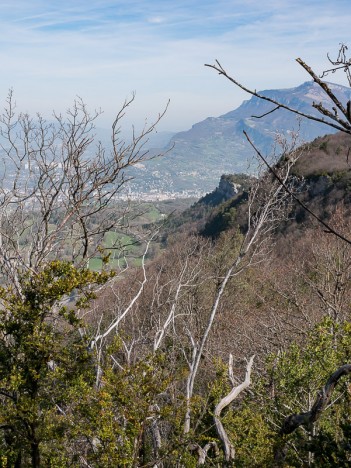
(323, 174)
(199, 156)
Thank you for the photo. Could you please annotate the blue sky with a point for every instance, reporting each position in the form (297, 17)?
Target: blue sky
(103, 50)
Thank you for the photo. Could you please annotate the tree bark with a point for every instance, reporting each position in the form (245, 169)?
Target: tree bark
(35, 454)
(293, 421)
(307, 419)
(229, 450)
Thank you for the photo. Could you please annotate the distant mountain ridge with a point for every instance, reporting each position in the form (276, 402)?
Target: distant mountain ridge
(217, 144)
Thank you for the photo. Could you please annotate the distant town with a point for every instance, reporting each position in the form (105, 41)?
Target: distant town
(158, 195)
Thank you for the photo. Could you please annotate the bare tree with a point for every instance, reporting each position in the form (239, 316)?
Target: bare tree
(58, 185)
(172, 304)
(266, 208)
(229, 450)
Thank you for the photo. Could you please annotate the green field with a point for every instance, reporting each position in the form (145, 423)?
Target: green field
(125, 249)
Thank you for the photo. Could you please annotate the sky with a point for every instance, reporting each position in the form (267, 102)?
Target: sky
(104, 50)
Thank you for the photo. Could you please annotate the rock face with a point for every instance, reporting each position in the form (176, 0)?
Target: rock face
(227, 188)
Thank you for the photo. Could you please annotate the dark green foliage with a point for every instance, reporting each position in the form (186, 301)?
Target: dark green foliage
(225, 216)
(213, 213)
(292, 381)
(324, 146)
(43, 360)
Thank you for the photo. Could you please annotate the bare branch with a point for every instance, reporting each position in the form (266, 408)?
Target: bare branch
(340, 125)
(328, 92)
(114, 325)
(229, 449)
(294, 421)
(266, 113)
(341, 63)
(58, 181)
(203, 451)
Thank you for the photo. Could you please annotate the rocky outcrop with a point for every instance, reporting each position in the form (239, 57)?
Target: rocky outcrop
(227, 188)
(230, 185)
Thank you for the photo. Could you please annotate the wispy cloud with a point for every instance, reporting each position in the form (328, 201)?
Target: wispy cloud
(104, 49)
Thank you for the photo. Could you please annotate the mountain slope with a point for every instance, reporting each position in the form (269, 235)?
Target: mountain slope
(217, 144)
(323, 183)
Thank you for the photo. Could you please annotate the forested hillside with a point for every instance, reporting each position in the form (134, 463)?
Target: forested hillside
(228, 344)
(286, 302)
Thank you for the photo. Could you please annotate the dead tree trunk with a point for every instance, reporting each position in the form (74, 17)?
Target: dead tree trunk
(229, 450)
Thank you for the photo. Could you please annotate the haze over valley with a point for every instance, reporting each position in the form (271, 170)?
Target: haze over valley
(175, 244)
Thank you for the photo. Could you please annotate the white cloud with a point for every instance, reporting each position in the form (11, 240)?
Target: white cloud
(156, 20)
(104, 49)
